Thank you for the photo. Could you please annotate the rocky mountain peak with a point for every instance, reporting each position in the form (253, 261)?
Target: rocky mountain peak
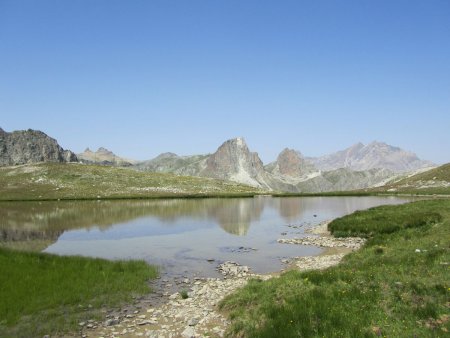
(237, 144)
(290, 162)
(31, 146)
(104, 151)
(234, 161)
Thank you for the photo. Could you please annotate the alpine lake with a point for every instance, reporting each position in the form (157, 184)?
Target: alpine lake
(184, 237)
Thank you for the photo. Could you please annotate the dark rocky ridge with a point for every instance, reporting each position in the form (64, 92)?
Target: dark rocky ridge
(31, 146)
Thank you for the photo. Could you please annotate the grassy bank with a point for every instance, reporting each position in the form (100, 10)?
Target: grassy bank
(398, 285)
(46, 294)
(69, 181)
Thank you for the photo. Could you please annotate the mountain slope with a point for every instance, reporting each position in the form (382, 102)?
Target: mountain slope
(172, 163)
(433, 181)
(31, 146)
(374, 155)
(344, 179)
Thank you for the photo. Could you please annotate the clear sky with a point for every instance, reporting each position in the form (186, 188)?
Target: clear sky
(145, 77)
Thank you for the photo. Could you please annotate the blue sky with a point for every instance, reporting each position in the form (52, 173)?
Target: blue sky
(145, 77)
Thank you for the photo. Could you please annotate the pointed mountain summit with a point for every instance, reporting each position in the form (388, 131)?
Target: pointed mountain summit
(290, 163)
(371, 156)
(233, 161)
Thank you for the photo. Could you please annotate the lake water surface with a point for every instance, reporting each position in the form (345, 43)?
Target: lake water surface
(183, 236)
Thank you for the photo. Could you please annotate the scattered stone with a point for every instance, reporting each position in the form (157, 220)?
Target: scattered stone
(233, 269)
(328, 242)
(111, 322)
(193, 322)
(317, 262)
(145, 322)
(188, 332)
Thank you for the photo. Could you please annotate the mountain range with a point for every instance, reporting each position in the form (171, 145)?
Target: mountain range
(360, 166)
(103, 156)
(357, 167)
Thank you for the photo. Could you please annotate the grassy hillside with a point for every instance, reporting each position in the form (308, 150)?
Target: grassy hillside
(398, 285)
(77, 181)
(434, 181)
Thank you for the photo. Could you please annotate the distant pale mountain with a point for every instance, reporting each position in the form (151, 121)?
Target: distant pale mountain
(374, 155)
(103, 156)
(172, 163)
(31, 146)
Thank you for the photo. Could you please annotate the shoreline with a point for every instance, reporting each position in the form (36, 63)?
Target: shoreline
(198, 315)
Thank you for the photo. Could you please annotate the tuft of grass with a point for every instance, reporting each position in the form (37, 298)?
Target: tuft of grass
(184, 294)
(396, 286)
(47, 294)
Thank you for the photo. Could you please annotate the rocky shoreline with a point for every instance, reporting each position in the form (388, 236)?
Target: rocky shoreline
(192, 311)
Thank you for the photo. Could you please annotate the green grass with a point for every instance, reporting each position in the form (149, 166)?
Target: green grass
(68, 181)
(184, 294)
(46, 294)
(385, 289)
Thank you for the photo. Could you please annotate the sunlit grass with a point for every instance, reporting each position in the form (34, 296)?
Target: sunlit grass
(52, 181)
(47, 294)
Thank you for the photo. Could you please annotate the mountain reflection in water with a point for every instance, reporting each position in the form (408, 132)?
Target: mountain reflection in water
(32, 221)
